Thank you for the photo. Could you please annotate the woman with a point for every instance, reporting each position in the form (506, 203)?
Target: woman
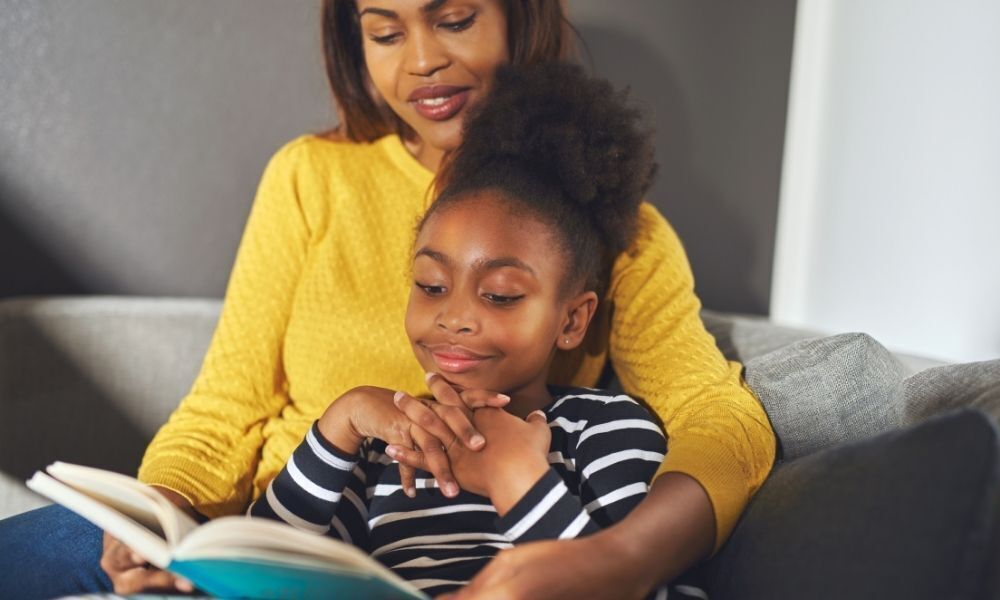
(319, 288)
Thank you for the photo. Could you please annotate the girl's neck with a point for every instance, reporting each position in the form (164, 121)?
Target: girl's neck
(425, 154)
(525, 401)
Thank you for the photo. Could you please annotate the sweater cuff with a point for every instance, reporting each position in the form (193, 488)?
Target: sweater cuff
(547, 511)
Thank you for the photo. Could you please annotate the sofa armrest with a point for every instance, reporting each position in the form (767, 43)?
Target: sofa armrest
(908, 514)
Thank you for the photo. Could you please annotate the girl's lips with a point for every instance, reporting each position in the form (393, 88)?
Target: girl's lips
(455, 359)
(443, 107)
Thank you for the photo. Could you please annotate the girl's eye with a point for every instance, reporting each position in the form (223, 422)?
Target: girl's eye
(460, 25)
(431, 290)
(502, 300)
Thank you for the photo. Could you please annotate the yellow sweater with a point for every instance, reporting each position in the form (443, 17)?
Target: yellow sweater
(315, 306)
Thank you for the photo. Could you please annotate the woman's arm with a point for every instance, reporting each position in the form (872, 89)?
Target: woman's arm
(672, 528)
(717, 431)
(208, 450)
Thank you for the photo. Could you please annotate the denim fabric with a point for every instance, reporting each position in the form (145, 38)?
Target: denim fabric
(50, 552)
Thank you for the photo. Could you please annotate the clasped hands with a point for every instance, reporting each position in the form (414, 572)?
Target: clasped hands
(463, 438)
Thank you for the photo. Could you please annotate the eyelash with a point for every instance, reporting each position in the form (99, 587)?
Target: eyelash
(454, 27)
(495, 299)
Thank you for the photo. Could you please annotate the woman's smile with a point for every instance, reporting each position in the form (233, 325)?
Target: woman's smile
(439, 102)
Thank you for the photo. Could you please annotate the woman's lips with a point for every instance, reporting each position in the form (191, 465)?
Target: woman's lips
(439, 103)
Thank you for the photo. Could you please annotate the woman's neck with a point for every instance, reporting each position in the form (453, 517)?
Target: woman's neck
(425, 154)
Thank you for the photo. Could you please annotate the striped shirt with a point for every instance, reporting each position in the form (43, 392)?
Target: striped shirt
(605, 449)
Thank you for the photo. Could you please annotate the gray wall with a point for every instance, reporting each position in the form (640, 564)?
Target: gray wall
(133, 132)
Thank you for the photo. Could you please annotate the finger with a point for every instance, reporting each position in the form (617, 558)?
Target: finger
(442, 390)
(421, 415)
(119, 557)
(140, 580)
(474, 399)
(409, 457)
(437, 461)
(407, 473)
(459, 422)
(537, 416)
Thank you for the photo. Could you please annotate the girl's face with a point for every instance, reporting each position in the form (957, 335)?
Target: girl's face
(431, 60)
(486, 308)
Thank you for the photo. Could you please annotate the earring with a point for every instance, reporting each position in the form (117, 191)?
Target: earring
(567, 341)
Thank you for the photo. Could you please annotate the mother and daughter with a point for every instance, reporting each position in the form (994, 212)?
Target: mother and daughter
(536, 266)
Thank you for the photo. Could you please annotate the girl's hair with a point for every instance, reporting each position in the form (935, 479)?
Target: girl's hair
(568, 149)
(537, 31)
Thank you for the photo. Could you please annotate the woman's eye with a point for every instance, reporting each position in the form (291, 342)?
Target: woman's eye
(460, 25)
(384, 40)
(431, 290)
(500, 300)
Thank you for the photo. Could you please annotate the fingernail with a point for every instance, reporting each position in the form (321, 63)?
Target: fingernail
(184, 585)
(427, 376)
(477, 441)
(397, 397)
(137, 559)
(539, 413)
(411, 492)
(503, 397)
(392, 451)
(450, 489)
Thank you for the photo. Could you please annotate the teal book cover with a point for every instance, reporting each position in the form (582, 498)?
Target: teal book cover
(248, 578)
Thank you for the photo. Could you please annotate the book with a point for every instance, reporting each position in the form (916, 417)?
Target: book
(229, 557)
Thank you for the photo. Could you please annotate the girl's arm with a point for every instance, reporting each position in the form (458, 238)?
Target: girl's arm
(618, 448)
(718, 431)
(320, 489)
(209, 448)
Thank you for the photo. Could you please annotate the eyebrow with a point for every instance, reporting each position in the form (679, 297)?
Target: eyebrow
(480, 265)
(429, 7)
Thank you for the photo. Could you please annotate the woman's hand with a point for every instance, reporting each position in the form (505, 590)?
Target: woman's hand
(130, 573)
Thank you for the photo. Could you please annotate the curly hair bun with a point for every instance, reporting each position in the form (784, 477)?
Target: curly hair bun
(570, 132)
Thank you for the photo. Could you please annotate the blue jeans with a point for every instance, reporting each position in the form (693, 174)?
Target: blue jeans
(50, 552)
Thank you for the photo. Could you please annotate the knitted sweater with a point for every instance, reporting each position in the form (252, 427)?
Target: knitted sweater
(315, 306)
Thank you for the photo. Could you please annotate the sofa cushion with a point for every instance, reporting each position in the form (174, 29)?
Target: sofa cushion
(822, 392)
(941, 389)
(908, 514)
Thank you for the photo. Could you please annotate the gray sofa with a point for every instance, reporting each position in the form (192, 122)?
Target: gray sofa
(887, 485)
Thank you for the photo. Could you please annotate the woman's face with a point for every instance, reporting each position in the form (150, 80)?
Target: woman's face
(486, 308)
(431, 60)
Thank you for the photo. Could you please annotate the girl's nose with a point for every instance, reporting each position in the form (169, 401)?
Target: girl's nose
(457, 317)
(424, 54)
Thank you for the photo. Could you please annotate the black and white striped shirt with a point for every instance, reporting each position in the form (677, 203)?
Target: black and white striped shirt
(605, 450)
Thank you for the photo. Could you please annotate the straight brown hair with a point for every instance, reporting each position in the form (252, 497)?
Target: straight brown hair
(537, 31)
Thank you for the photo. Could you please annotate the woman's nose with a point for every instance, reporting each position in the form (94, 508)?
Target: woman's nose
(424, 54)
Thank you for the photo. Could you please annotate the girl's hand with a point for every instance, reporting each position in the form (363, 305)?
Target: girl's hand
(514, 458)
(448, 418)
(131, 573)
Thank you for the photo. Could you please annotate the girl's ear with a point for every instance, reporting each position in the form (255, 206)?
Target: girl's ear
(579, 311)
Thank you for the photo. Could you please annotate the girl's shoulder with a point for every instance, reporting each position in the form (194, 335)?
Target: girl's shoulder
(593, 404)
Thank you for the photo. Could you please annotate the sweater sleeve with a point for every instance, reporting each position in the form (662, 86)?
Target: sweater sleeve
(310, 490)
(717, 430)
(209, 448)
(617, 452)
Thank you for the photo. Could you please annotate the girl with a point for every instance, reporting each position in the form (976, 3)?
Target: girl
(508, 267)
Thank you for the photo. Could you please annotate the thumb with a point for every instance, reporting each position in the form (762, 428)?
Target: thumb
(536, 416)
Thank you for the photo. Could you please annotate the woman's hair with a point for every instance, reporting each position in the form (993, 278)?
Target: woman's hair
(564, 147)
(537, 31)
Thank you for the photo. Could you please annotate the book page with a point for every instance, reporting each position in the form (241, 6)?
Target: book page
(129, 496)
(132, 533)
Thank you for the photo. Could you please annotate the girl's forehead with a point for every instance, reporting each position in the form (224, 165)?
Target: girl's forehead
(486, 227)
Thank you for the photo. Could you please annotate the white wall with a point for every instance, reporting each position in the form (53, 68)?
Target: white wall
(889, 220)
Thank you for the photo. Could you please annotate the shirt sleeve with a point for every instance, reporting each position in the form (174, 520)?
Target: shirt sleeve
(617, 452)
(317, 491)
(209, 448)
(660, 350)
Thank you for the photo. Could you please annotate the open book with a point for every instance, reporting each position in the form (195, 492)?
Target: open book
(230, 557)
